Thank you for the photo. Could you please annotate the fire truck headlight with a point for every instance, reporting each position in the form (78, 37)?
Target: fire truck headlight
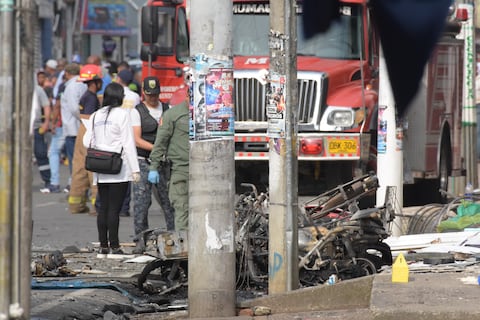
(341, 118)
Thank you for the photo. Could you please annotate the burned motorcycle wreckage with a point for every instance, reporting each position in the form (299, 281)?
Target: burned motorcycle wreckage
(335, 237)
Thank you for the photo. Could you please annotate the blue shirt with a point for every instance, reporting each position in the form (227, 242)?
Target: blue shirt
(89, 103)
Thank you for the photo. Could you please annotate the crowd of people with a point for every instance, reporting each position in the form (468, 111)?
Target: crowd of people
(78, 106)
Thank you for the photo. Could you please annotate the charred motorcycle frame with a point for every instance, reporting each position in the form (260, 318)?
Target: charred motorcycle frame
(335, 237)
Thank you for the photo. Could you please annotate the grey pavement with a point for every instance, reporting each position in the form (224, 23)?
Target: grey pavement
(427, 295)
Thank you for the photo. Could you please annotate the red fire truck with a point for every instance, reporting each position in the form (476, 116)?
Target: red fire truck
(337, 93)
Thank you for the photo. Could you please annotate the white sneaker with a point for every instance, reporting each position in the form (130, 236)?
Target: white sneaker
(45, 190)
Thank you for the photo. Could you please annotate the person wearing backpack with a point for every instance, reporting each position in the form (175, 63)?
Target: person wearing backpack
(145, 118)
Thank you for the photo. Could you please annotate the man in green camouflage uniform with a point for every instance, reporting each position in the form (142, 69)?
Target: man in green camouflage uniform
(172, 142)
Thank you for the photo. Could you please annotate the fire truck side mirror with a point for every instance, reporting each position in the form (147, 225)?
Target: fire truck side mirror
(148, 52)
(149, 25)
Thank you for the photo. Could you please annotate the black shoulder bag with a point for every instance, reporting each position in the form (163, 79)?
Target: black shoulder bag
(101, 161)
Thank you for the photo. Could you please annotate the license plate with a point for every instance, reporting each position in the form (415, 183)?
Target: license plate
(337, 146)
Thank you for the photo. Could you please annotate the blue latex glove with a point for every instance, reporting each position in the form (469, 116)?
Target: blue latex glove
(153, 176)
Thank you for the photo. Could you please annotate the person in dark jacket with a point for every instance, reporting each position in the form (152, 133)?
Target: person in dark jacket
(145, 118)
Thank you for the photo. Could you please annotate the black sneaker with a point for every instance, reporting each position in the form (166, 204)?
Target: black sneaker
(104, 250)
(117, 251)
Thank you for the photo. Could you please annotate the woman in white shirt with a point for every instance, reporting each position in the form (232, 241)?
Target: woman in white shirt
(112, 132)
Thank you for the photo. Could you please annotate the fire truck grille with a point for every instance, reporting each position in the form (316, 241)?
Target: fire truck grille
(251, 101)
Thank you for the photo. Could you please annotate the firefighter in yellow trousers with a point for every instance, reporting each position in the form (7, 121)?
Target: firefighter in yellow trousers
(82, 180)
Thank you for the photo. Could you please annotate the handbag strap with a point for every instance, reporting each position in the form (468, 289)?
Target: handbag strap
(93, 130)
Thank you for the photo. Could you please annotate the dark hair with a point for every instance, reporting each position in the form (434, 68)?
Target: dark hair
(113, 95)
(113, 67)
(124, 64)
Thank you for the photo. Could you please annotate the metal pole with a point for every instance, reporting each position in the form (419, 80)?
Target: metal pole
(283, 143)
(138, 9)
(6, 152)
(23, 151)
(469, 116)
(211, 256)
(69, 32)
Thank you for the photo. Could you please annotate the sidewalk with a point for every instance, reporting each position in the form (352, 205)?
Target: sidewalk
(452, 296)
(426, 296)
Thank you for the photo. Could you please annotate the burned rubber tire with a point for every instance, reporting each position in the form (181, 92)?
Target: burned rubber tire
(152, 265)
(356, 268)
(172, 275)
(377, 260)
(367, 265)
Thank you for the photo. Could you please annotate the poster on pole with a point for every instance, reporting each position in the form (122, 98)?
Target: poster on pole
(276, 106)
(219, 102)
(382, 131)
(106, 17)
(213, 113)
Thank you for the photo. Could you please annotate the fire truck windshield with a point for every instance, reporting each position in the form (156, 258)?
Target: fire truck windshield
(343, 40)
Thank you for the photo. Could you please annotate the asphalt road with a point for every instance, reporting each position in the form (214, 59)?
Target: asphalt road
(103, 284)
(55, 228)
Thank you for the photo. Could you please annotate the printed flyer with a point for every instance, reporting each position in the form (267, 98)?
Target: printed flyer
(213, 113)
(276, 106)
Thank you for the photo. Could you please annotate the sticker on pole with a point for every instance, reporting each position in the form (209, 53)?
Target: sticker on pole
(382, 132)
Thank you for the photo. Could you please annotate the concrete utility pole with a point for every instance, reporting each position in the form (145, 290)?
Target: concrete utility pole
(211, 256)
(389, 146)
(6, 158)
(283, 143)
